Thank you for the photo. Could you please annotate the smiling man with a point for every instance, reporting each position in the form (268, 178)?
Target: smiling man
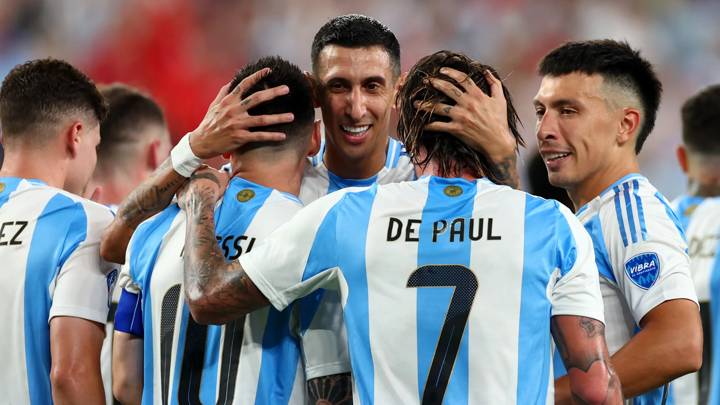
(595, 108)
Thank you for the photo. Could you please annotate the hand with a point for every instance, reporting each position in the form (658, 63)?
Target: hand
(227, 124)
(478, 120)
(207, 182)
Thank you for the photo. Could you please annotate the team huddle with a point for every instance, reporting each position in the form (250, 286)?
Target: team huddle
(330, 263)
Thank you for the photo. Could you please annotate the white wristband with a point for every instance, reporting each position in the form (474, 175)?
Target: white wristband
(183, 159)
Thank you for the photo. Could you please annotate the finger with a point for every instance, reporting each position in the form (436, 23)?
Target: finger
(262, 136)
(249, 81)
(253, 121)
(462, 78)
(222, 93)
(262, 96)
(496, 89)
(435, 108)
(439, 126)
(447, 88)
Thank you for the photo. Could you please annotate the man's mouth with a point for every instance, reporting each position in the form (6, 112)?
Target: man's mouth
(355, 130)
(552, 157)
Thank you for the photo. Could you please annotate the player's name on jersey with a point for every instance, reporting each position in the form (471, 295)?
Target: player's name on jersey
(232, 245)
(11, 232)
(458, 229)
(703, 247)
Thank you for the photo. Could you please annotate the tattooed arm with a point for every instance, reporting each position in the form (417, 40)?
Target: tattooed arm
(480, 121)
(590, 378)
(225, 128)
(217, 291)
(331, 390)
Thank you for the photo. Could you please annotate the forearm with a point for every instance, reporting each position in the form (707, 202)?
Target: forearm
(149, 198)
(330, 390)
(218, 291)
(127, 368)
(506, 169)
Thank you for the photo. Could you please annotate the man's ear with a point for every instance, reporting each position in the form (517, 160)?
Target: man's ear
(72, 136)
(629, 126)
(315, 140)
(153, 157)
(682, 157)
(398, 87)
(314, 87)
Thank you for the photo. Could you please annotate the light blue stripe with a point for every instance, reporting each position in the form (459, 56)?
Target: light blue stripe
(715, 322)
(211, 365)
(11, 184)
(280, 357)
(602, 259)
(180, 354)
(390, 153)
(618, 212)
(433, 303)
(143, 254)
(628, 210)
(671, 215)
(67, 221)
(641, 214)
(353, 212)
(540, 258)
(336, 182)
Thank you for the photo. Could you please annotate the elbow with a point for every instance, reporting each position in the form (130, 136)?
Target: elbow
(208, 307)
(689, 353)
(68, 382)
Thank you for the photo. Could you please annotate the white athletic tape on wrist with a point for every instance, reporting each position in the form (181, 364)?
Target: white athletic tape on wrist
(183, 159)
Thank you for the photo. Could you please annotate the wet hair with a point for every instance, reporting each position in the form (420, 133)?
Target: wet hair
(130, 112)
(39, 94)
(451, 155)
(619, 65)
(298, 101)
(356, 31)
(701, 121)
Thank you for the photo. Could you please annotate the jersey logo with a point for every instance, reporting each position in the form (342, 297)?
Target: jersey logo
(245, 195)
(2, 187)
(688, 211)
(643, 269)
(453, 191)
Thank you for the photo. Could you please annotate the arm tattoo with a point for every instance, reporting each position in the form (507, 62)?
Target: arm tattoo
(506, 171)
(150, 197)
(216, 286)
(331, 390)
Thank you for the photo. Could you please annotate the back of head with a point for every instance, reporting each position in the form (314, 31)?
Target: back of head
(701, 122)
(450, 155)
(356, 31)
(133, 120)
(298, 102)
(39, 96)
(619, 65)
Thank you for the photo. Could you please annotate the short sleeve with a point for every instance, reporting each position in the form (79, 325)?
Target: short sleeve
(84, 282)
(296, 258)
(577, 287)
(655, 268)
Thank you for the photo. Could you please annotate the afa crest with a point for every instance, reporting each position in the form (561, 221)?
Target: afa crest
(245, 195)
(2, 187)
(453, 191)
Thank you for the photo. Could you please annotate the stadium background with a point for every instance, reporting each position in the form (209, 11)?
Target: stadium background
(182, 51)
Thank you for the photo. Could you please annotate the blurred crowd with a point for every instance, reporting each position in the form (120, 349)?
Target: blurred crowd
(182, 51)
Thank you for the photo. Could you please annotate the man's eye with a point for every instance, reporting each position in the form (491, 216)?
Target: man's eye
(539, 112)
(567, 111)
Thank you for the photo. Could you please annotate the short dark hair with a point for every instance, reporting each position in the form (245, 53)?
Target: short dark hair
(356, 31)
(130, 112)
(298, 101)
(451, 154)
(618, 64)
(40, 92)
(701, 121)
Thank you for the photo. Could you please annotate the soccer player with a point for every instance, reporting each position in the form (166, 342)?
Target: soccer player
(54, 288)
(595, 108)
(253, 359)
(356, 67)
(703, 234)
(699, 158)
(135, 141)
(499, 264)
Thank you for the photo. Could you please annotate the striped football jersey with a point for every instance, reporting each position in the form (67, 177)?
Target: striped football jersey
(253, 360)
(447, 285)
(51, 266)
